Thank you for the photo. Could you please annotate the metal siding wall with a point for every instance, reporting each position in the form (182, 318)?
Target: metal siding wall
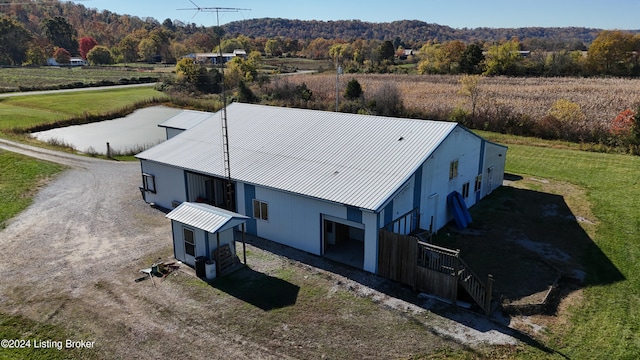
(464, 147)
(294, 220)
(493, 158)
(169, 184)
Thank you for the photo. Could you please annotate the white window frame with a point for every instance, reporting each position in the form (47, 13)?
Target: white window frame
(478, 186)
(193, 240)
(149, 182)
(260, 210)
(465, 190)
(453, 169)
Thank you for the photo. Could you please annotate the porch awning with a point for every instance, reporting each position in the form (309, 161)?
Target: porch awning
(206, 217)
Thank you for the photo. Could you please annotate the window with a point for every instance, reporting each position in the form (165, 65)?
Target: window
(478, 185)
(260, 210)
(465, 190)
(149, 182)
(189, 242)
(453, 169)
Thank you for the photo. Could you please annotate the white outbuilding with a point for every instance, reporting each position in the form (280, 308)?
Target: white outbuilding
(323, 182)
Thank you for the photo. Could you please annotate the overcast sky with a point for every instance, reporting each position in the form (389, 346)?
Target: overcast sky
(609, 14)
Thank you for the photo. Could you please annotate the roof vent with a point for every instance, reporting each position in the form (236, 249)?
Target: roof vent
(401, 138)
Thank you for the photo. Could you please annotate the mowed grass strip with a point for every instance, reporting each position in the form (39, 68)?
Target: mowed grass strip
(20, 178)
(13, 78)
(607, 323)
(27, 111)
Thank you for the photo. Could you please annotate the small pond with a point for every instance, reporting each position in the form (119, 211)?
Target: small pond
(132, 133)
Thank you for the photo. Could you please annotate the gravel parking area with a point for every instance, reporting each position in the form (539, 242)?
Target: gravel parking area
(71, 258)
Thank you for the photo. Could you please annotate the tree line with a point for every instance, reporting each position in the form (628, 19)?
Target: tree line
(32, 33)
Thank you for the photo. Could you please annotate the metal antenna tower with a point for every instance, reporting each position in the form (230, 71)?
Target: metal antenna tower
(225, 129)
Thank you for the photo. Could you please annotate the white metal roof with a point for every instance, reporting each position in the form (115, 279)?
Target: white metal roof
(206, 217)
(186, 119)
(358, 160)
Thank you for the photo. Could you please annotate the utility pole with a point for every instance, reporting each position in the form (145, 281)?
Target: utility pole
(225, 128)
(338, 73)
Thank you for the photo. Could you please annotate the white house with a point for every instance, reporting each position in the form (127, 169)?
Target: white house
(215, 58)
(324, 182)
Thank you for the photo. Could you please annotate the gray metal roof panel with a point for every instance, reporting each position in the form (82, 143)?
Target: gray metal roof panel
(358, 160)
(205, 217)
(186, 119)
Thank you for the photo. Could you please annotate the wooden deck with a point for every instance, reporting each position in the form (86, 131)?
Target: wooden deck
(429, 268)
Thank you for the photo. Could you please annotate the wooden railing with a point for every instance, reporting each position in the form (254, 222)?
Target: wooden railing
(405, 224)
(448, 261)
(479, 291)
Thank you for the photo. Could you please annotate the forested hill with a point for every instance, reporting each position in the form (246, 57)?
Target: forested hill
(407, 30)
(109, 28)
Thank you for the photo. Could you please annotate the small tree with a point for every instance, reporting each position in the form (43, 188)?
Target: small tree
(61, 56)
(99, 55)
(471, 88)
(353, 90)
(387, 100)
(86, 43)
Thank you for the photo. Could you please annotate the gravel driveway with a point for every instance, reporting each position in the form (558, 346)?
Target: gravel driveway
(71, 258)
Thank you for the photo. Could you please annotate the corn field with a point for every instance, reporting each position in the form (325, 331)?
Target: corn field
(510, 105)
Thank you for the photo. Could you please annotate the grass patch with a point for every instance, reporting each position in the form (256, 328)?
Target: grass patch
(24, 112)
(608, 322)
(20, 178)
(15, 79)
(34, 337)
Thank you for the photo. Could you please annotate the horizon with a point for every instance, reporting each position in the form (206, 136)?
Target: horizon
(457, 14)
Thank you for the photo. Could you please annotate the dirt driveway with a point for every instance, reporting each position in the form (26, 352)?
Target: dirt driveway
(71, 258)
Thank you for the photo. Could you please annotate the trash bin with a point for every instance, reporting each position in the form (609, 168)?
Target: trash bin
(210, 269)
(200, 271)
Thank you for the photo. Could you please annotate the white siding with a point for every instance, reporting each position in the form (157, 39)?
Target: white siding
(463, 146)
(295, 220)
(495, 156)
(370, 221)
(169, 184)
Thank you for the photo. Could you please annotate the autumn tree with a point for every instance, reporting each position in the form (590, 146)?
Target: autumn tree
(502, 59)
(62, 56)
(611, 51)
(86, 43)
(14, 41)
(128, 47)
(470, 87)
(61, 33)
(35, 56)
(99, 55)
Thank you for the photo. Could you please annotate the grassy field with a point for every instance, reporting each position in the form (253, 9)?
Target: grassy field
(11, 79)
(22, 112)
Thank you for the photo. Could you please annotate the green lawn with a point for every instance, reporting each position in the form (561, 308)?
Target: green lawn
(607, 324)
(13, 78)
(27, 111)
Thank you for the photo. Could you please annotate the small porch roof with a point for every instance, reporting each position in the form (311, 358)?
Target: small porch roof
(206, 217)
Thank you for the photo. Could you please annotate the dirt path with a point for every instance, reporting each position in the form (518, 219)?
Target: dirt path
(71, 258)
